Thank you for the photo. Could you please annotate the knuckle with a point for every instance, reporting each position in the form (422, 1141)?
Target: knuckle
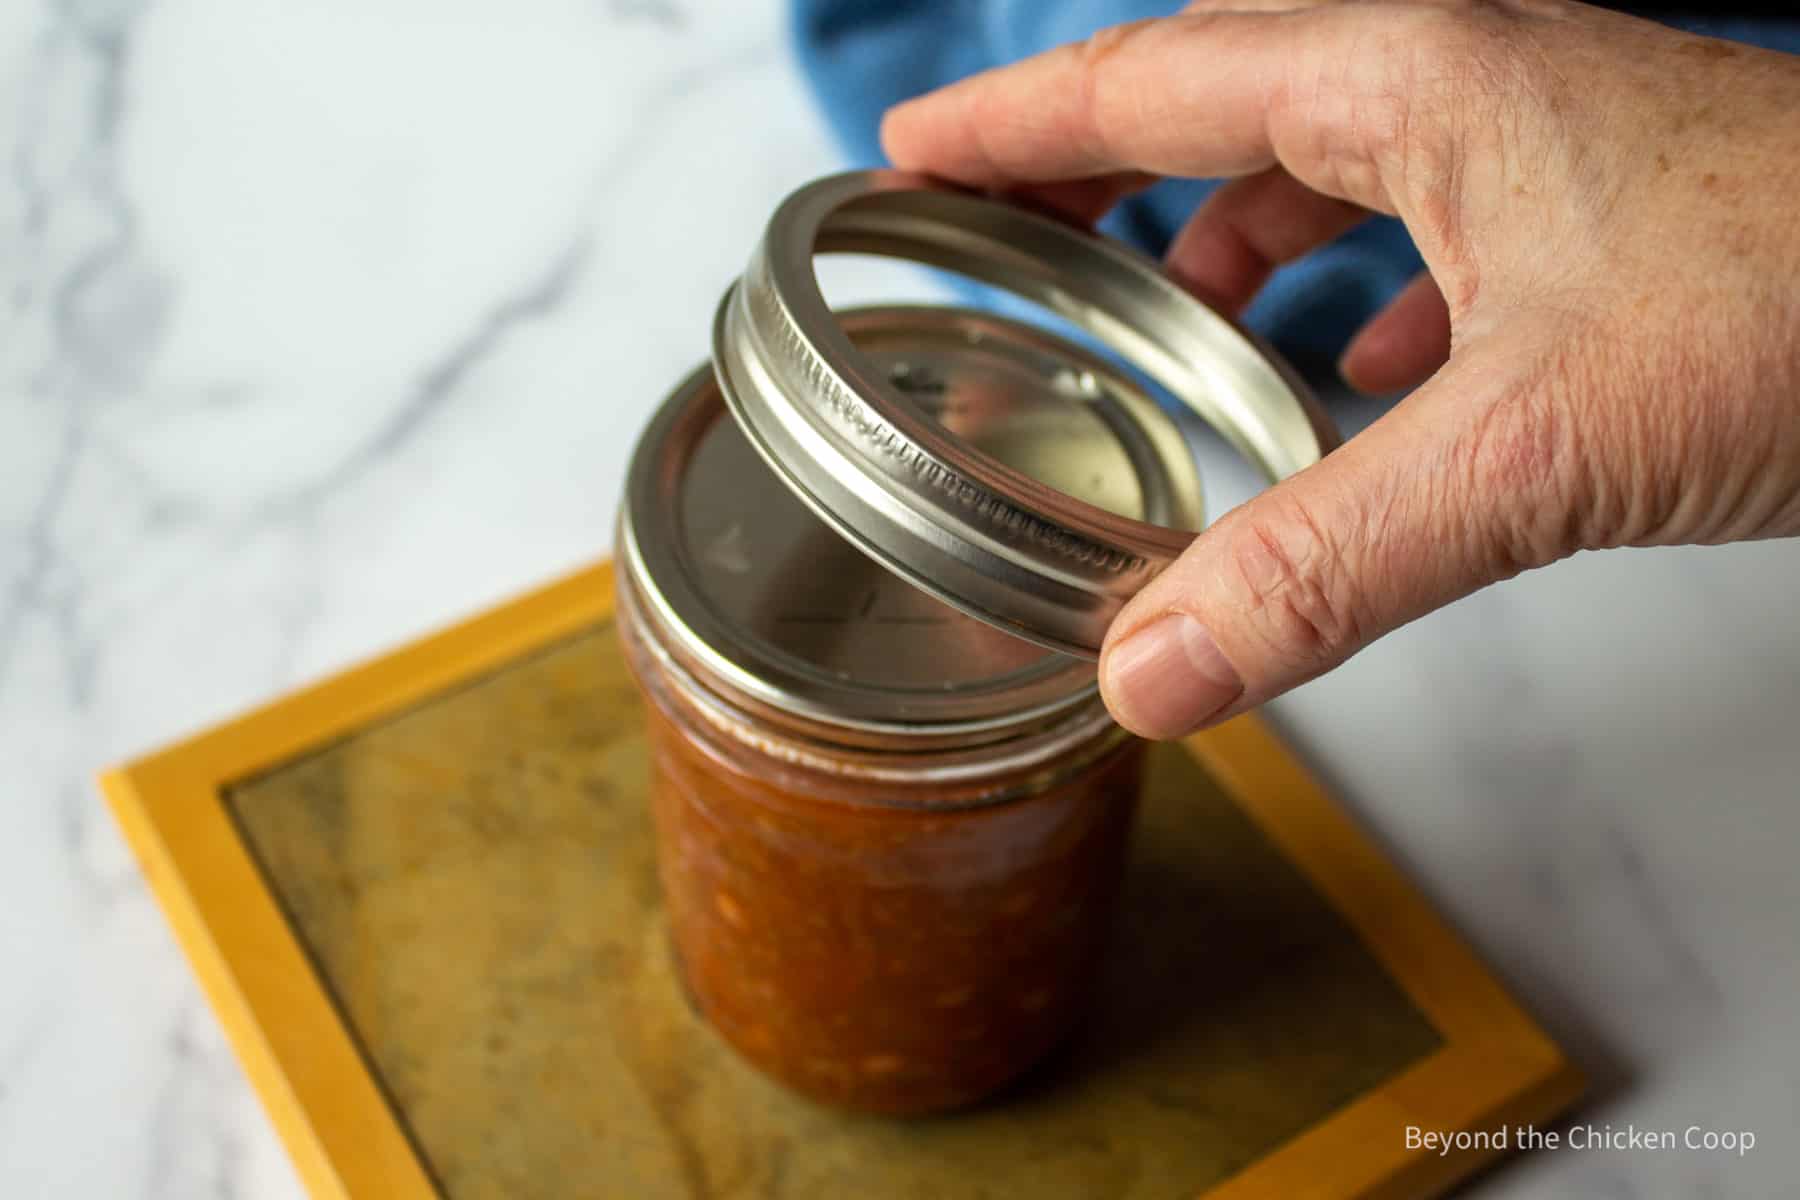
(1103, 43)
(1095, 53)
(1376, 117)
(1440, 63)
(1444, 40)
(992, 121)
(1101, 100)
(1293, 584)
(1469, 97)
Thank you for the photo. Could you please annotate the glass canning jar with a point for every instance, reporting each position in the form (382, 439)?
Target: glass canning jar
(889, 834)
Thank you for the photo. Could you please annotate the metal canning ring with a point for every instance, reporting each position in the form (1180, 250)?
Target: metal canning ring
(913, 494)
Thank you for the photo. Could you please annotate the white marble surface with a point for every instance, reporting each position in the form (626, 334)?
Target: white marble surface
(328, 323)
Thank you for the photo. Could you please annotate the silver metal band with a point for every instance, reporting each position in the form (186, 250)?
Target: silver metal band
(983, 537)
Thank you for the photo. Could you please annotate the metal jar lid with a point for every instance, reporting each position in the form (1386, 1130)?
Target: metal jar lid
(743, 591)
(1001, 542)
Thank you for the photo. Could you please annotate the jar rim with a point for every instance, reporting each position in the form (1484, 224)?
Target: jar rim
(1070, 739)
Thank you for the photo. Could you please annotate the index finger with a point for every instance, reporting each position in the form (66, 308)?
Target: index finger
(1201, 94)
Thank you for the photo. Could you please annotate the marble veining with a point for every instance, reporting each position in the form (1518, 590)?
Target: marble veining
(329, 323)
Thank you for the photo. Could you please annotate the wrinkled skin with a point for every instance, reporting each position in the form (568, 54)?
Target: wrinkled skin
(1605, 349)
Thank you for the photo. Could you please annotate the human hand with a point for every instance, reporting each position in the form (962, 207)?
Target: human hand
(1607, 341)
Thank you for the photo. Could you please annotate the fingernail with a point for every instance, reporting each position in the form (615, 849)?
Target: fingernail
(1169, 678)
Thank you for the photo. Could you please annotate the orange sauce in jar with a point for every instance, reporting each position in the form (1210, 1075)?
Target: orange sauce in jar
(883, 944)
(889, 836)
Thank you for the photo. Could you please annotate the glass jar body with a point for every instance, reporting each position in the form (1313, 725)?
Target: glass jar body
(885, 941)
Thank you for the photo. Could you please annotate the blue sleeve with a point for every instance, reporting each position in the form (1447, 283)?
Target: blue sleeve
(862, 56)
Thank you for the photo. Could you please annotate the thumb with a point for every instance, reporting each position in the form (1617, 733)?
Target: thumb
(1430, 503)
